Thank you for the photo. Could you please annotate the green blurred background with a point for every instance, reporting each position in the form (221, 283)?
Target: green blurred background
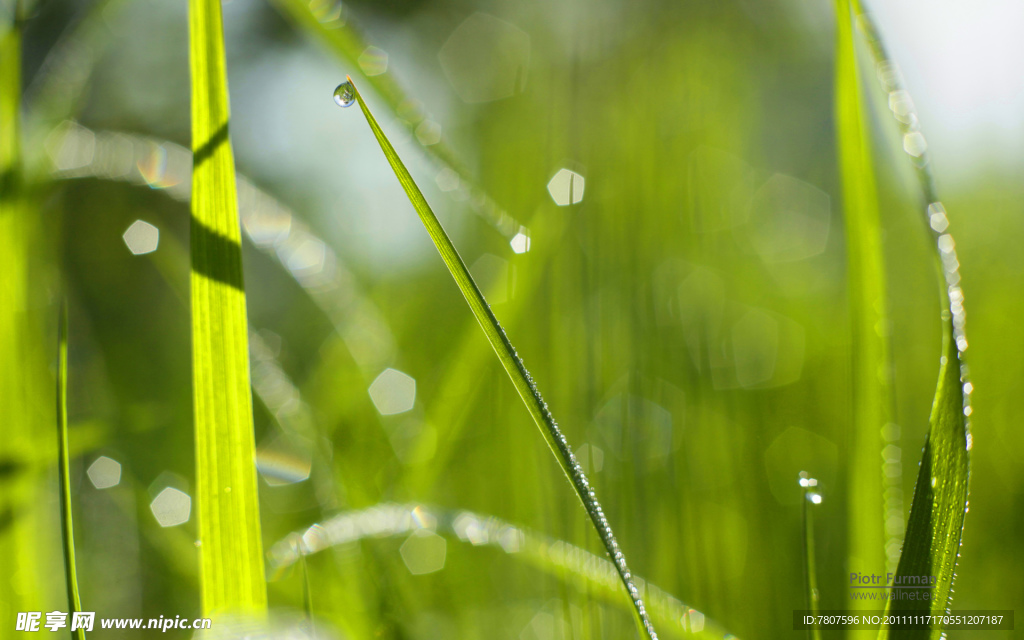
(686, 317)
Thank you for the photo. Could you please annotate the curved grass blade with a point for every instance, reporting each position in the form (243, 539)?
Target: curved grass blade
(64, 473)
(514, 366)
(869, 549)
(935, 525)
(589, 573)
(231, 554)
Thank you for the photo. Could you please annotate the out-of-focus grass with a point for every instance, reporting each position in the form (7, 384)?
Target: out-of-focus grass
(23, 445)
(871, 374)
(656, 295)
(936, 521)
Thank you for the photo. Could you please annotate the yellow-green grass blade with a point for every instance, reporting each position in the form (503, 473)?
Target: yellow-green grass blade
(935, 524)
(872, 394)
(231, 555)
(21, 387)
(513, 365)
(64, 472)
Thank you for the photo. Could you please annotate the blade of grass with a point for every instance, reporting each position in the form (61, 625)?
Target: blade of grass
(64, 472)
(872, 394)
(811, 497)
(20, 386)
(514, 366)
(936, 521)
(307, 600)
(231, 555)
(587, 572)
(460, 385)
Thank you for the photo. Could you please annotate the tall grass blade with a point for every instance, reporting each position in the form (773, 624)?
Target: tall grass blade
(22, 390)
(231, 555)
(872, 394)
(935, 524)
(64, 472)
(514, 366)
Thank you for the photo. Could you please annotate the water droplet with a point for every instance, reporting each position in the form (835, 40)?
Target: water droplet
(345, 95)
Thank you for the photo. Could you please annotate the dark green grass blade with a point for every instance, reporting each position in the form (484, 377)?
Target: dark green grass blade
(231, 555)
(872, 396)
(935, 525)
(64, 472)
(521, 378)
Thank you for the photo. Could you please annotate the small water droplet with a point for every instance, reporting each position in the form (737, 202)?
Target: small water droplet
(345, 95)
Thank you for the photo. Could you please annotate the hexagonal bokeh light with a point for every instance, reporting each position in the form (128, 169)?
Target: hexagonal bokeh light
(566, 187)
(393, 392)
(789, 220)
(171, 507)
(423, 552)
(485, 58)
(104, 472)
(141, 238)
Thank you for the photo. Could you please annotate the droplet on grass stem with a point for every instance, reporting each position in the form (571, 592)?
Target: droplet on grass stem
(345, 95)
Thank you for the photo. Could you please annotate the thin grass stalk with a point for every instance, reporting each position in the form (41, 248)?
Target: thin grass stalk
(811, 497)
(521, 378)
(307, 599)
(64, 473)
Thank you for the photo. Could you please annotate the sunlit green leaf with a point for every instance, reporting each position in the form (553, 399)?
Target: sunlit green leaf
(229, 527)
(21, 388)
(935, 525)
(871, 365)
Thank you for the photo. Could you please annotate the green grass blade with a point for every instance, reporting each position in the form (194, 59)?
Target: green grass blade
(513, 365)
(64, 472)
(872, 394)
(22, 389)
(307, 599)
(231, 555)
(811, 497)
(935, 524)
